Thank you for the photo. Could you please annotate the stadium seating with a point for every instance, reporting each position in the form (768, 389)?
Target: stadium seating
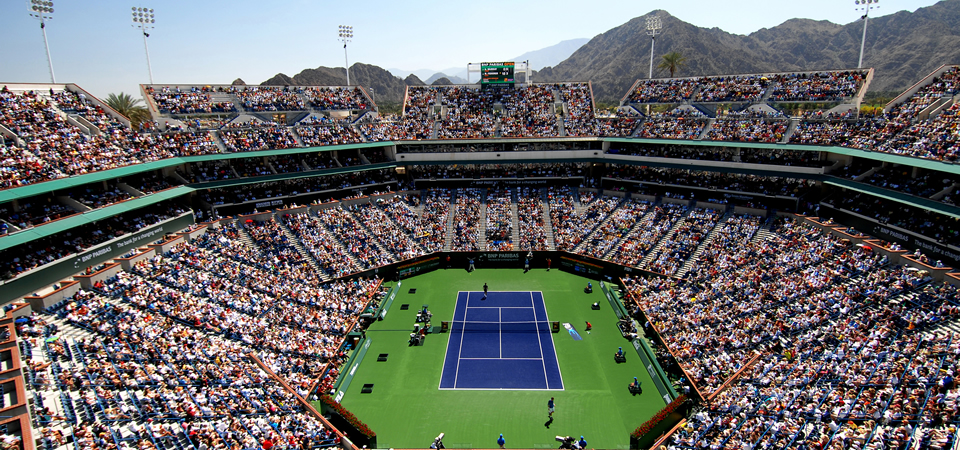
(793, 335)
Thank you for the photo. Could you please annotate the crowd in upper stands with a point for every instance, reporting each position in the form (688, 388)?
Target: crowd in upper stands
(193, 101)
(466, 228)
(793, 87)
(748, 128)
(50, 145)
(530, 216)
(677, 248)
(833, 362)
(499, 220)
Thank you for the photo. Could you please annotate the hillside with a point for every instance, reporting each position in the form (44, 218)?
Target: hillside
(902, 47)
(387, 87)
(555, 54)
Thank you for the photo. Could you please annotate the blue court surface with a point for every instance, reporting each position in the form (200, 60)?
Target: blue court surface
(501, 342)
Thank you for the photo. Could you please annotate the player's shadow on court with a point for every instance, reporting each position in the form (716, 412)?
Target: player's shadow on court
(549, 422)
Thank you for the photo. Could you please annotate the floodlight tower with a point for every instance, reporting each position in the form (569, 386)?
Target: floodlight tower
(346, 35)
(143, 18)
(43, 11)
(865, 6)
(654, 25)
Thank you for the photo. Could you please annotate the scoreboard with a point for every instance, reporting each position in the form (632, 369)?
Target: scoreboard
(497, 73)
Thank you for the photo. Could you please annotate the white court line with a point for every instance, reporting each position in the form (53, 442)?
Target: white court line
(505, 359)
(546, 380)
(552, 342)
(498, 307)
(501, 331)
(462, 333)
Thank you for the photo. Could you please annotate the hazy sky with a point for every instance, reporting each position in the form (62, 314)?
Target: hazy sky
(94, 45)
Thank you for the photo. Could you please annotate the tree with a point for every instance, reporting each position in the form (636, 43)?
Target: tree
(129, 107)
(673, 61)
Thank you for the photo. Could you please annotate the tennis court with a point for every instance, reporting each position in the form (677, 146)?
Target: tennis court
(501, 341)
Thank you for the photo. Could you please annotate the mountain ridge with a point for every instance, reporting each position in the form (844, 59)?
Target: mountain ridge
(902, 47)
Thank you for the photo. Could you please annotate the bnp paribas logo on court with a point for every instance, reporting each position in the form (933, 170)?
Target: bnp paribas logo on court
(503, 256)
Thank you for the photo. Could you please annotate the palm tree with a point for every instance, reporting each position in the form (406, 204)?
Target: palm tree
(673, 61)
(129, 107)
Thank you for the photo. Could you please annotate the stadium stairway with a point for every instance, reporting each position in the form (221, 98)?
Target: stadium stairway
(298, 244)
(578, 207)
(215, 137)
(514, 213)
(395, 224)
(663, 239)
(246, 239)
(768, 92)
(296, 136)
(547, 221)
(764, 232)
(416, 209)
(482, 221)
(233, 99)
(790, 130)
(706, 129)
(451, 213)
(703, 244)
(613, 248)
(597, 229)
(378, 243)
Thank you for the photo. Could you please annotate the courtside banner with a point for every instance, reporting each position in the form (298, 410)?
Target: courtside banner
(413, 268)
(581, 267)
(614, 302)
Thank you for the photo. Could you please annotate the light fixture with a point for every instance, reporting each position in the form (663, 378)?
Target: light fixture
(42, 10)
(865, 6)
(346, 35)
(144, 19)
(654, 25)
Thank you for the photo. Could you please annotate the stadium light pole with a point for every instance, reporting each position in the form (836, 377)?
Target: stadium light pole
(43, 11)
(144, 19)
(654, 25)
(346, 35)
(866, 6)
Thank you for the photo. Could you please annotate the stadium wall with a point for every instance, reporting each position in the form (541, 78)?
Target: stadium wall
(73, 264)
(910, 240)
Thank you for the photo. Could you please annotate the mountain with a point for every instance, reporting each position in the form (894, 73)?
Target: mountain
(387, 87)
(902, 47)
(451, 78)
(420, 73)
(552, 55)
(456, 75)
(412, 80)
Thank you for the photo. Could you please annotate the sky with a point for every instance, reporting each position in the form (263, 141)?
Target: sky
(93, 43)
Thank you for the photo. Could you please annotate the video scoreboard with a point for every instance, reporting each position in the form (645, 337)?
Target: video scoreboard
(497, 73)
